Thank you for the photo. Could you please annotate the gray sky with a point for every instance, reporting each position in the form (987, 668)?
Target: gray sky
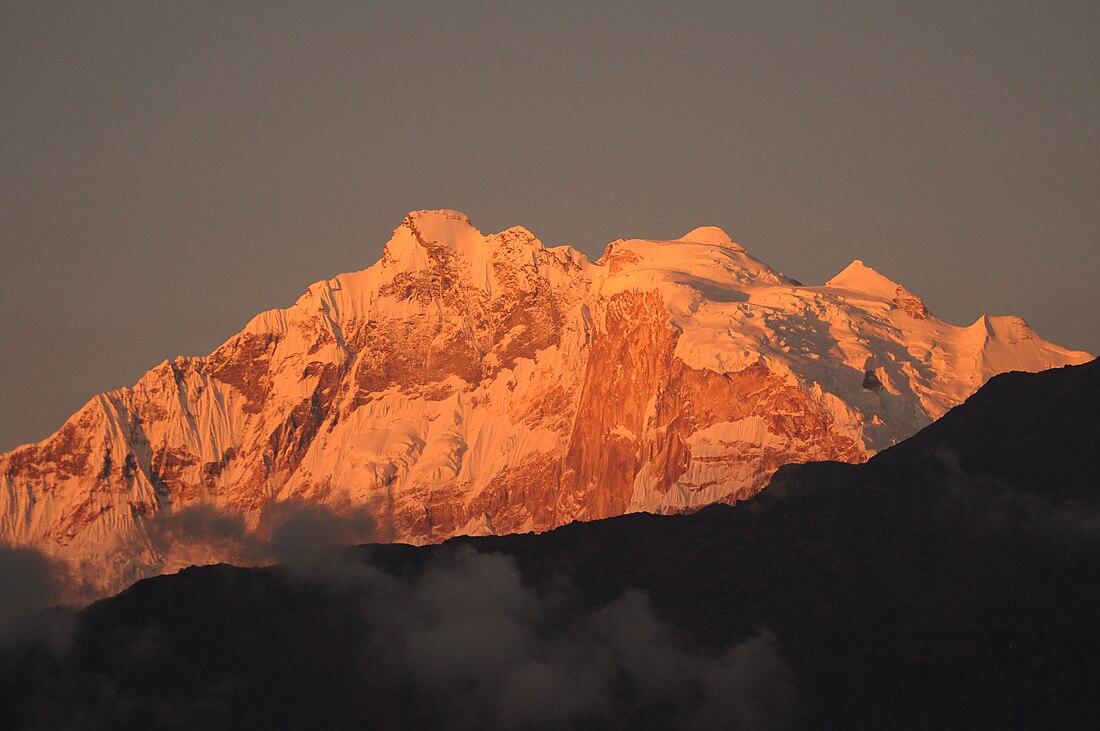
(167, 170)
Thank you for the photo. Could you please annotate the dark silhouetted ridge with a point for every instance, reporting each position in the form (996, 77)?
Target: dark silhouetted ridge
(951, 582)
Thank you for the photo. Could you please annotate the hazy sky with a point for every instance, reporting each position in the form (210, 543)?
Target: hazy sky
(168, 170)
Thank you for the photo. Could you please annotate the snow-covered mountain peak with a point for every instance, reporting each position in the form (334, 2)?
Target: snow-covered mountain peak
(424, 238)
(467, 383)
(444, 242)
(708, 266)
(436, 221)
(859, 277)
(711, 235)
(1002, 328)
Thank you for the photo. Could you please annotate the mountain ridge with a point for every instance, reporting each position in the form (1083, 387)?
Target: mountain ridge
(952, 581)
(471, 383)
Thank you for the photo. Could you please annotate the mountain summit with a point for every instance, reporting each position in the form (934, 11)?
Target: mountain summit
(472, 384)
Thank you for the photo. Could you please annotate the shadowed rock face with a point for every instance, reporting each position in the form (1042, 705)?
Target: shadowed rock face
(471, 384)
(952, 581)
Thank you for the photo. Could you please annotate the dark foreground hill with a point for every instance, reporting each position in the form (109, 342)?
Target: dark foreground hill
(951, 582)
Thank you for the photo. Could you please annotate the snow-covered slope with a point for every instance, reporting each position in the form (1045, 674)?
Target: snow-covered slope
(474, 384)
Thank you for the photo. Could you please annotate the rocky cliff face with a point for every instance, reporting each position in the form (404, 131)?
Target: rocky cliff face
(486, 384)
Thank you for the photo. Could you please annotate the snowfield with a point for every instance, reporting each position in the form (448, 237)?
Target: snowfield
(467, 383)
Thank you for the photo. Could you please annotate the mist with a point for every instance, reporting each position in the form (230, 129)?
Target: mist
(483, 650)
(464, 643)
(32, 585)
(289, 532)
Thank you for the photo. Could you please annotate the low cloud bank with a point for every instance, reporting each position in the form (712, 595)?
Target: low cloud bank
(290, 532)
(463, 643)
(998, 510)
(485, 651)
(32, 585)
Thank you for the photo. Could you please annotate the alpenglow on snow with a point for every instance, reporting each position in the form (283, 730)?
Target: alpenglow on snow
(471, 384)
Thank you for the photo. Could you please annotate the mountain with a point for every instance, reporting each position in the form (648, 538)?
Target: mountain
(472, 384)
(952, 581)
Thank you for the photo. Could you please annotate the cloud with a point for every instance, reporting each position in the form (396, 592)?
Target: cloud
(29, 583)
(461, 642)
(478, 648)
(1000, 510)
(201, 523)
(297, 532)
(32, 586)
(290, 532)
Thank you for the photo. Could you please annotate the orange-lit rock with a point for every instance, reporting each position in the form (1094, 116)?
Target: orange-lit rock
(470, 384)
